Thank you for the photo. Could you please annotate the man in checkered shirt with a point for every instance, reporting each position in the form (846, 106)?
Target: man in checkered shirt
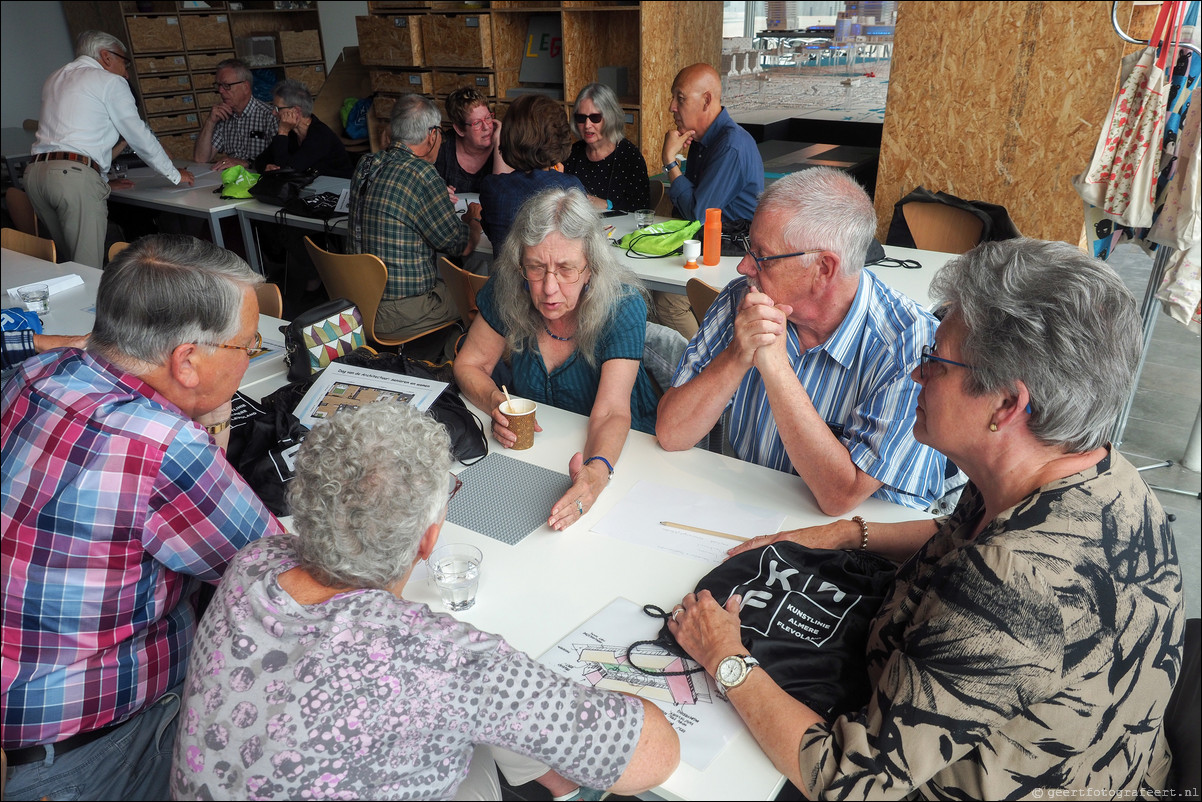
(240, 126)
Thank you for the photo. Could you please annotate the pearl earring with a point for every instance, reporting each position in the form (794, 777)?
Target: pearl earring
(993, 427)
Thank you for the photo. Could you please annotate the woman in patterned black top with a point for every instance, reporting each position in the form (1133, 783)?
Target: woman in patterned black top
(609, 165)
(1034, 636)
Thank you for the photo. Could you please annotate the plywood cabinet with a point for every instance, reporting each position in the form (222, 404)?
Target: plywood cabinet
(483, 44)
(175, 49)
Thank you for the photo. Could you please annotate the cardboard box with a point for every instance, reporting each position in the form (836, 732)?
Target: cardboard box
(179, 146)
(447, 82)
(457, 40)
(207, 62)
(154, 34)
(300, 46)
(173, 122)
(311, 75)
(402, 81)
(167, 83)
(390, 41)
(382, 106)
(166, 103)
(256, 51)
(206, 31)
(153, 64)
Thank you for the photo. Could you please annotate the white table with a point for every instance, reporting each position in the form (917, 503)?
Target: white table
(152, 191)
(538, 591)
(256, 211)
(73, 311)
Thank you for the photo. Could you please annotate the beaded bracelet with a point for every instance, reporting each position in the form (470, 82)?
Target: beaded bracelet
(863, 531)
(602, 459)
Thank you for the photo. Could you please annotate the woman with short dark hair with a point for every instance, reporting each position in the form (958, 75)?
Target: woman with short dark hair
(474, 151)
(535, 140)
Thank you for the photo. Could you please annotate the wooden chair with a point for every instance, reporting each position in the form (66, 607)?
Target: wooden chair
(701, 295)
(271, 302)
(116, 248)
(30, 125)
(936, 227)
(661, 203)
(28, 244)
(360, 278)
(463, 285)
(21, 210)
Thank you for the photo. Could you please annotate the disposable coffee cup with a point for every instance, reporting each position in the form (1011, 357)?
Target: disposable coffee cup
(520, 412)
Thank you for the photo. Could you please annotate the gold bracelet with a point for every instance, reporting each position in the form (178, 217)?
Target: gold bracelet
(863, 531)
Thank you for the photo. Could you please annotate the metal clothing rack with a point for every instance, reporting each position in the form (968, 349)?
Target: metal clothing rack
(1150, 306)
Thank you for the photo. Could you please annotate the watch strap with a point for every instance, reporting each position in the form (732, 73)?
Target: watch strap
(670, 166)
(218, 428)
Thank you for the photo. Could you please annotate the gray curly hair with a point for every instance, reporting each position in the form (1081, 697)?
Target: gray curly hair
(1059, 321)
(568, 213)
(369, 482)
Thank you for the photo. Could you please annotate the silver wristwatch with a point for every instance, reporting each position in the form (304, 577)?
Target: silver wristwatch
(733, 670)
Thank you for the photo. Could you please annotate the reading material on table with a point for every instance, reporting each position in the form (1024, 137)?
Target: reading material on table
(343, 385)
(595, 654)
(640, 515)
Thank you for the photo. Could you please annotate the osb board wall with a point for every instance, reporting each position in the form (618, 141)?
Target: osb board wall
(998, 101)
(672, 36)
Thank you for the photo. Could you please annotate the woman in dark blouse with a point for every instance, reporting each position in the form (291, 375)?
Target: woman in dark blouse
(610, 166)
(303, 142)
(474, 151)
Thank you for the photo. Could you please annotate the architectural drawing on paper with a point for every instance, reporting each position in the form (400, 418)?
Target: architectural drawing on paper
(607, 667)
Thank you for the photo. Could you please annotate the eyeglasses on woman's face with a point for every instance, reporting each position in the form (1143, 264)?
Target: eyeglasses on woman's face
(928, 355)
(595, 118)
(454, 485)
(564, 275)
(280, 109)
(482, 123)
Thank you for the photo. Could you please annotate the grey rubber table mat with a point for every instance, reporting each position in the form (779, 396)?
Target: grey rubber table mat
(506, 498)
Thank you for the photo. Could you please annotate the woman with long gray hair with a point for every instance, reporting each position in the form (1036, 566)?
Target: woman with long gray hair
(575, 321)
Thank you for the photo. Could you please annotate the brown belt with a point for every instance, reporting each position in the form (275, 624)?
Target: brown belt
(37, 754)
(66, 155)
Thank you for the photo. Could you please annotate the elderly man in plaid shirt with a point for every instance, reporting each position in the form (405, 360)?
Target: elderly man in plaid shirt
(118, 502)
(400, 211)
(238, 128)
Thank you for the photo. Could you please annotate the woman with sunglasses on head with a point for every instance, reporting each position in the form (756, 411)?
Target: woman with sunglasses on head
(302, 142)
(1033, 637)
(610, 166)
(575, 322)
(475, 149)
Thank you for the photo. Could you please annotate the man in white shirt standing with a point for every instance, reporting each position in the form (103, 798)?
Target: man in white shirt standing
(86, 107)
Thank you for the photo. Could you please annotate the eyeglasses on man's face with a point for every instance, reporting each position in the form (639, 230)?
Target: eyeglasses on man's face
(595, 118)
(225, 87)
(121, 56)
(564, 275)
(745, 242)
(250, 350)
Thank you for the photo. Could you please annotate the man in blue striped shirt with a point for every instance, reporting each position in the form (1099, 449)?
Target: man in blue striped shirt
(813, 354)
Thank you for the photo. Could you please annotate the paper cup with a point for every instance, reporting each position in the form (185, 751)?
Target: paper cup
(520, 413)
(692, 250)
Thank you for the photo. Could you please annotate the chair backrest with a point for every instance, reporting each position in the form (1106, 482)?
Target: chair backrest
(28, 244)
(938, 227)
(463, 285)
(30, 125)
(271, 303)
(21, 210)
(701, 295)
(116, 248)
(661, 203)
(358, 277)
(662, 350)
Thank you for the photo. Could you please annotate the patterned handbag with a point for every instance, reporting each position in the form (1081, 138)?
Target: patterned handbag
(321, 335)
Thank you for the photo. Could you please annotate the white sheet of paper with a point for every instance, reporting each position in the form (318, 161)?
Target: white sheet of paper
(344, 384)
(637, 518)
(595, 654)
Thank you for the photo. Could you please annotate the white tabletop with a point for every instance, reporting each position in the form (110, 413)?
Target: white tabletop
(256, 211)
(73, 311)
(153, 191)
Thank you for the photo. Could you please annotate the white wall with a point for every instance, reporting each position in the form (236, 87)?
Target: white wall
(33, 43)
(338, 26)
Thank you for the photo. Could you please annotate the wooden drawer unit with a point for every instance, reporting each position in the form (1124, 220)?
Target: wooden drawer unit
(382, 106)
(300, 46)
(167, 103)
(457, 40)
(179, 146)
(400, 82)
(390, 41)
(447, 82)
(206, 31)
(167, 83)
(311, 75)
(173, 122)
(207, 62)
(154, 34)
(153, 64)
